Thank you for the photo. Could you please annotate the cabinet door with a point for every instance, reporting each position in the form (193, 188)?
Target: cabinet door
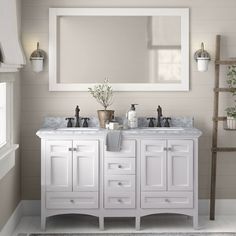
(58, 166)
(85, 165)
(153, 165)
(180, 165)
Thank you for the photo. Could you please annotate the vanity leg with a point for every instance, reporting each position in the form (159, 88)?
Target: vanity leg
(43, 223)
(195, 222)
(101, 223)
(137, 222)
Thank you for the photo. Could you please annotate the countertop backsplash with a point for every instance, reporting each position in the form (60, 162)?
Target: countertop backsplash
(60, 122)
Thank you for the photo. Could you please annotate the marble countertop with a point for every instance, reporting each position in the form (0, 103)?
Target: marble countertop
(184, 132)
(56, 127)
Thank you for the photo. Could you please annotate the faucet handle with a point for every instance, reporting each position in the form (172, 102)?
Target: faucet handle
(69, 123)
(151, 121)
(166, 121)
(85, 123)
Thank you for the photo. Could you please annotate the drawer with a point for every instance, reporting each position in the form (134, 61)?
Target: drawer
(119, 166)
(120, 183)
(71, 200)
(166, 200)
(127, 150)
(119, 200)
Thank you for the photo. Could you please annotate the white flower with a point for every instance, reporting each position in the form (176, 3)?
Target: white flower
(103, 93)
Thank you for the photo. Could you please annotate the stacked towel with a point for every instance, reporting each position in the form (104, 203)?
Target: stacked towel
(113, 141)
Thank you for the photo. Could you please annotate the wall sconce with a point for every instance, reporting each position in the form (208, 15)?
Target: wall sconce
(202, 58)
(37, 58)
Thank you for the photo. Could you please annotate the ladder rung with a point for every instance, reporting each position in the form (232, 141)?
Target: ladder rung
(225, 62)
(224, 149)
(219, 118)
(225, 90)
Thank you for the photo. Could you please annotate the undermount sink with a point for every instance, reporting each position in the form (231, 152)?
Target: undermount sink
(78, 129)
(162, 128)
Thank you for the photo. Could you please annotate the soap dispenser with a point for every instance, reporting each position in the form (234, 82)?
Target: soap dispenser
(132, 117)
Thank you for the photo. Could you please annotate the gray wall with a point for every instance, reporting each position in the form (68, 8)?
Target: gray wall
(10, 185)
(207, 18)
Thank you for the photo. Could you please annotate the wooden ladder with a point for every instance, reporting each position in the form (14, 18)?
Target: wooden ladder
(216, 118)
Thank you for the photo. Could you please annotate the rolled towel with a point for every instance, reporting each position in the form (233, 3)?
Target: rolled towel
(113, 141)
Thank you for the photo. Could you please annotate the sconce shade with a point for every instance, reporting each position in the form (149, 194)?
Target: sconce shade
(202, 58)
(37, 58)
(37, 64)
(202, 64)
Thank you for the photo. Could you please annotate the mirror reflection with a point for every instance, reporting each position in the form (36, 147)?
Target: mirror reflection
(126, 49)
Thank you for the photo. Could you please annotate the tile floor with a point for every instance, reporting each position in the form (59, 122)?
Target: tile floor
(150, 224)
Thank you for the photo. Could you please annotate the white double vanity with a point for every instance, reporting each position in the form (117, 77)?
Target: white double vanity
(156, 171)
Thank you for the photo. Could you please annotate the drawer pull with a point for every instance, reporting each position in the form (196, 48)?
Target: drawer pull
(120, 184)
(74, 149)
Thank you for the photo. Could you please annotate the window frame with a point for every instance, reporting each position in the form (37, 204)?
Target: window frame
(7, 151)
(3, 118)
(7, 143)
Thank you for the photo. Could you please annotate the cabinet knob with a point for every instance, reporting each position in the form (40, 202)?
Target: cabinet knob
(165, 148)
(75, 149)
(72, 201)
(70, 149)
(119, 183)
(170, 149)
(119, 166)
(167, 200)
(120, 200)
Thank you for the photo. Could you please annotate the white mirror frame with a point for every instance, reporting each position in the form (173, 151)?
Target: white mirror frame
(55, 13)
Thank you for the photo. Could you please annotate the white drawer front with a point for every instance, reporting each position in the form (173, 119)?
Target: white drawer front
(120, 183)
(119, 166)
(166, 200)
(120, 200)
(71, 200)
(127, 150)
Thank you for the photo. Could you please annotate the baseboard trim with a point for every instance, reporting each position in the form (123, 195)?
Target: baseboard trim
(32, 208)
(13, 221)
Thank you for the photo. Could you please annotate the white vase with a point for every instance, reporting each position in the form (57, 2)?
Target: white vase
(231, 122)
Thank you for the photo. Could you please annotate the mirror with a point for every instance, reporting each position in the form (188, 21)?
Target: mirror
(137, 49)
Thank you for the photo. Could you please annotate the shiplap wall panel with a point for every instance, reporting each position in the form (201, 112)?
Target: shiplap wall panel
(207, 18)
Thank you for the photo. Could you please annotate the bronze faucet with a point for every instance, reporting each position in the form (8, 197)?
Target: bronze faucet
(159, 115)
(77, 110)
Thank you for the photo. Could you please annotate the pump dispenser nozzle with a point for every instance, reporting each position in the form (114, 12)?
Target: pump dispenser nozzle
(133, 107)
